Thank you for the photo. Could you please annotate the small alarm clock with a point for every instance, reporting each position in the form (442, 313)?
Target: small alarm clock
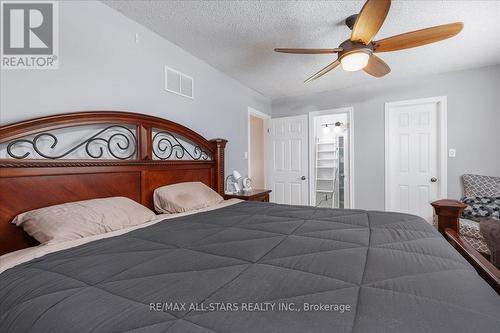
(247, 184)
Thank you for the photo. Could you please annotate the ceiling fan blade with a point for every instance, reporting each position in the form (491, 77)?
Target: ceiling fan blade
(323, 71)
(309, 51)
(418, 37)
(377, 67)
(370, 19)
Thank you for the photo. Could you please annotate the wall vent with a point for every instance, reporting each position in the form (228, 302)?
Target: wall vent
(178, 83)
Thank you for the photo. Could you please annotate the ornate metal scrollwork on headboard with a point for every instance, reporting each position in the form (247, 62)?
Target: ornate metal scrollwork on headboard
(120, 143)
(166, 146)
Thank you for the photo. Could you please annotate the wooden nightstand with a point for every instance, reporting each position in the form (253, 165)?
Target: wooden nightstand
(252, 195)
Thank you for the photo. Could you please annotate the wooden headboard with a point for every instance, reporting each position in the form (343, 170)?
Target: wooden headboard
(124, 154)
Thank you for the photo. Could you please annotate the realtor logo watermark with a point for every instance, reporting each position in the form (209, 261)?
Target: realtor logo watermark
(30, 38)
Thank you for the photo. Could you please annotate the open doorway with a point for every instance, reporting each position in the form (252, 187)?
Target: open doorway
(331, 158)
(257, 125)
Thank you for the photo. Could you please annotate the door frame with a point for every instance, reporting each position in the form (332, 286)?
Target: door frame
(442, 146)
(350, 116)
(265, 117)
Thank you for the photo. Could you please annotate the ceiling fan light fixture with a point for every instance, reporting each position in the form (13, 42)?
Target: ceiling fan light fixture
(358, 52)
(354, 61)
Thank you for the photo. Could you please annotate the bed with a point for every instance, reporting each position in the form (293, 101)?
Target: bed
(237, 267)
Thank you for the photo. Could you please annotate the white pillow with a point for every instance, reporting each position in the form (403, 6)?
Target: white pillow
(80, 219)
(183, 197)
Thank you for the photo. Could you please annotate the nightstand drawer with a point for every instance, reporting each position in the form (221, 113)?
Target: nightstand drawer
(252, 195)
(264, 198)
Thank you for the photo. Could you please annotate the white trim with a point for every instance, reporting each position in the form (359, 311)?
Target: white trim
(442, 148)
(350, 116)
(265, 117)
(256, 113)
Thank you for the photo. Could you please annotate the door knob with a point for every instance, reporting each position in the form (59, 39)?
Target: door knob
(303, 178)
(434, 179)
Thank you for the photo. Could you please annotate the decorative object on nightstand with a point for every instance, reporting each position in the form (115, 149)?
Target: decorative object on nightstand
(233, 186)
(250, 195)
(247, 184)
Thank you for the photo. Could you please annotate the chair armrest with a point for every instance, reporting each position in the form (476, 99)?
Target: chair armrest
(488, 272)
(448, 213)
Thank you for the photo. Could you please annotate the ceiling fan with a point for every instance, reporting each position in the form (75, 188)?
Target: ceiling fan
(357, 52)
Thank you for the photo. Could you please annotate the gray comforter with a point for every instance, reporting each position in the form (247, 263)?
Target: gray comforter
(255, 267)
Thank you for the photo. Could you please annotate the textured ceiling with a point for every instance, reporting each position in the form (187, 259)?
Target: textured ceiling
(238, 38)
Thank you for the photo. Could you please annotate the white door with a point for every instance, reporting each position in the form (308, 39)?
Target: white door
(288, 156)
(415, 155)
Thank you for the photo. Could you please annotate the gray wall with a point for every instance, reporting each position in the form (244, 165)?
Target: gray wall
(102, 67)
(473, 124)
